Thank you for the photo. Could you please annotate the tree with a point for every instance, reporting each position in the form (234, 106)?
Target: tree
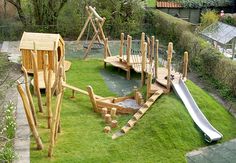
(45, 12)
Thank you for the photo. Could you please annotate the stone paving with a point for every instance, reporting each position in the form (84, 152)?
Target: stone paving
(219, 153)
(22, 137)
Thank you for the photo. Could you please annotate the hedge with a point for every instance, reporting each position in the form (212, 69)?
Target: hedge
(203, 56)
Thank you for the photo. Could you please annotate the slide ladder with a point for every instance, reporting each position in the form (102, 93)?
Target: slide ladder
(210, 133)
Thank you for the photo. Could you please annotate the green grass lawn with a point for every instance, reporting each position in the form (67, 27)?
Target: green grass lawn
(164, 134)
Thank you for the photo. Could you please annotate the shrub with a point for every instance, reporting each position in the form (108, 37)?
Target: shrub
(204, 58)
(208, 17)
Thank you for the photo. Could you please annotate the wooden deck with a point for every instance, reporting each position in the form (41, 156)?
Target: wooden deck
(120, 62)
(162, 76)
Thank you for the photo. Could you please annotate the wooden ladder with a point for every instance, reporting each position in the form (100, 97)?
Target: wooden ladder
(138, 115)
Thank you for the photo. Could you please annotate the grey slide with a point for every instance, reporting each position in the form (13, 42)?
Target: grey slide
(210, 133)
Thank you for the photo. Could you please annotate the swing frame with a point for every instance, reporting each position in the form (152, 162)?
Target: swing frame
(97, 27)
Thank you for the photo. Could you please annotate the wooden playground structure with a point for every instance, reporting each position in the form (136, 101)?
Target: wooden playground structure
(164, 77)
(48, 68)
(133, 59)
(97, 23)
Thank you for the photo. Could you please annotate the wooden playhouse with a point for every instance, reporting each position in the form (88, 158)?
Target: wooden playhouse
(43, 43)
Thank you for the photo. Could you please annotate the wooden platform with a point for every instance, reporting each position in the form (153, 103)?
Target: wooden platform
(162, 76)
(135, 62)
(41, 80)
(115, 61)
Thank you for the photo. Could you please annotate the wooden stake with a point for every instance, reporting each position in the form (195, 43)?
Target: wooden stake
(30, 99)
(45, 69)
(149, 83)
(104, 112)
(144, 53)
(85, 25)
(113, 112)
(49, 97)
(168, 75)
(92, 98)
(113, 123)
(36, 82)
(142, 41)
(105, 48)
(107, 129)
(29, 117)
(121, 45)
(152, 52)
(185, 68)
(108, 118)
(53, 127)
(156, 59)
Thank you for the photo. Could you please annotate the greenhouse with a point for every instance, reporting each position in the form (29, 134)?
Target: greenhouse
(222, 36)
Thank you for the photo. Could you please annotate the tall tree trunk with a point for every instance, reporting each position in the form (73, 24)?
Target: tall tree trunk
(17, 4)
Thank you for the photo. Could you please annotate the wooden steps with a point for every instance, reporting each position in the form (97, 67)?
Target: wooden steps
(138, 115)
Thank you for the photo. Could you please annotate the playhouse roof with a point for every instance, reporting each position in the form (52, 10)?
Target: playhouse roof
(165, 4)
(220, 32)
(43, 41)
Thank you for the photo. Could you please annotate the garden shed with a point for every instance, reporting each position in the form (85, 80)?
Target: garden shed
(222, 36)
(44, 43)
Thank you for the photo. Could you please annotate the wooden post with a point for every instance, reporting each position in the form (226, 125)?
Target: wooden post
(149, 84)
(113, 123)
(107, 129)
(73, 94)
(148, 49)
(185, 66)
(169, 58)
(36, 85)
(168, 74)
(156, 59)
(108, 118)
(144, 51)
(29, 117)
(61, 90)
(142, 41)
(113, 112)
(55, 56)
(105, 47)
(30, 99)
(121, 45)
(104, 112)
(49, 96)
(92, 98)
(152, 52)
(128, 50)
(85, 25)
(45, 69)
(170, 50)
(53, 131)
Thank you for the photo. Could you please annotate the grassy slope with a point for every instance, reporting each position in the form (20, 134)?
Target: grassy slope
(164, 134)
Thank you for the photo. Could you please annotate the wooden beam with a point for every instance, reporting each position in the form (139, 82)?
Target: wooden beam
(92, 98)
(30, 99)
(36, 82)
(156, 59)
(29, 117)
(144, 53)
(185, 65)
(121, 46)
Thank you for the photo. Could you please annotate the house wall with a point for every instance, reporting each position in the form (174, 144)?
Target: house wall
(191, 15)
